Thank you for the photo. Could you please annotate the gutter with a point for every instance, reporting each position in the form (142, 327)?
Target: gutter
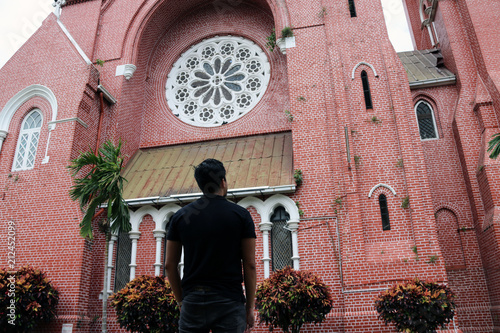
(433, 83)
(233, 193)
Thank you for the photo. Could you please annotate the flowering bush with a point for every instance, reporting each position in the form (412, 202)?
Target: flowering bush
(147, 304)
(416, 306)
(289, 299)
(27, 298)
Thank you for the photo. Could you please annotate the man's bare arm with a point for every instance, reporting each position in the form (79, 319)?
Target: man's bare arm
(172, 259)
(250, 277)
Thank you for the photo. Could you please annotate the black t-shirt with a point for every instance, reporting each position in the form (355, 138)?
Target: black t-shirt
(210, 230)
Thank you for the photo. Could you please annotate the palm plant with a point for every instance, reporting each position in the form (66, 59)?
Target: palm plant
(494, 146)
(101, 185)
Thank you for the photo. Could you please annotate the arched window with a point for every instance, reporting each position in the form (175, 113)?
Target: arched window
(384, 212)
(352, 8)
(27, 142)
(281, 240)
(426, 121)
(123, 259)
(366, 90)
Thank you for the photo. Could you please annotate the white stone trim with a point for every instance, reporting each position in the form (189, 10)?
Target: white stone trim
(433, 119)
(160, 217)
(363, 63)
(134, 236)
(265, 210)
(19, 99)
(52, 124)
(379, 185)
(217, 81)
(285, 43)
(126, 70)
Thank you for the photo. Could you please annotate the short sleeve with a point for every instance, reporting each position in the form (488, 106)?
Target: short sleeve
(173, 228)
(249, 227)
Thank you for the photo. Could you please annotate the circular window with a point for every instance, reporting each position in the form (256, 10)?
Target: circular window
(217, 81)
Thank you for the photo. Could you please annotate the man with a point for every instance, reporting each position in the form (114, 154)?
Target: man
(218, 237)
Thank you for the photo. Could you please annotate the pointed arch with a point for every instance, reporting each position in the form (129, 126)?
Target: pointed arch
(23, 96)
(383, 185)
(146, 18)
(366, 64)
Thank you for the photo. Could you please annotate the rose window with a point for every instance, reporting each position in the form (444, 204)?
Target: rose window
(217, 81)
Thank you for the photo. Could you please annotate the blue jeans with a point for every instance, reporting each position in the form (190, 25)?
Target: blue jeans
(204, 310)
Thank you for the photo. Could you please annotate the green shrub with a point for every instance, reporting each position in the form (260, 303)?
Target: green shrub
(289, 298)
(27, 298)
(416, 306)
(147, 304)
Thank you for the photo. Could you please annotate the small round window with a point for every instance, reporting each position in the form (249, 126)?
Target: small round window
(217, 81)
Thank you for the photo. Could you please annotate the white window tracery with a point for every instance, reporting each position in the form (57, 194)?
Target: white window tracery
(217, 81)
(27, 142)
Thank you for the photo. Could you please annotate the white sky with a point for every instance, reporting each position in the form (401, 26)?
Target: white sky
(20, 19)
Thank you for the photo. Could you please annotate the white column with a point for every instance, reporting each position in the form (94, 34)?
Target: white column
(3, 135)
(111, 248)
(265, 227)
(293, 226)
(159, 235)
(134, 236)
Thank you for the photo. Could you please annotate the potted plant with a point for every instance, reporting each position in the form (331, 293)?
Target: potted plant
(147, 304)
(287, 39)
(289, 299)
(416, 306)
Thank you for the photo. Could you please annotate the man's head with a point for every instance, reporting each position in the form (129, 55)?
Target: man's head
(211, 177)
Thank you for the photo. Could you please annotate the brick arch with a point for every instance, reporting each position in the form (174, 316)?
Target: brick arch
(35, 90)
(450, 240)
(153, 19)
(425, 97)
(433, 103)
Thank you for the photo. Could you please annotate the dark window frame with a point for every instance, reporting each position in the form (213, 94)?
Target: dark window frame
(279, 218)
(123, 259)
(384, 212)
(423, 120)
(366, 90)
(352, 8)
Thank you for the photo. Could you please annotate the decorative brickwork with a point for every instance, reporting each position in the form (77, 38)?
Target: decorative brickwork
(442, 195)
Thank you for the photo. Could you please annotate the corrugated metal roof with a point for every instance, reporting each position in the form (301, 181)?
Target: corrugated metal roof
(254, 161)
(425, 69)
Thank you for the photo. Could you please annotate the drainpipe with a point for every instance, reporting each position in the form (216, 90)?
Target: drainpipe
(101, 114)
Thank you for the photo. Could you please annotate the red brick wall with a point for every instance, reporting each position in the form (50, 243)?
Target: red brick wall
(340, 234)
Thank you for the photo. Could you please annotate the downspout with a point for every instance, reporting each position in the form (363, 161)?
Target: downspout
(101, 114)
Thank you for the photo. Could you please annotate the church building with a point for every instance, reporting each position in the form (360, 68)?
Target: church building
(365, 166)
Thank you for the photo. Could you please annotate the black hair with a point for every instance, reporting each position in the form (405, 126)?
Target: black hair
(209, 174)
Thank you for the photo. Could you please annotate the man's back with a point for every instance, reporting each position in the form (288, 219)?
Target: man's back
(210, 230)
(218, 238)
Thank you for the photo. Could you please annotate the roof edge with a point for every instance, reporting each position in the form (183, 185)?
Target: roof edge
(232, 193)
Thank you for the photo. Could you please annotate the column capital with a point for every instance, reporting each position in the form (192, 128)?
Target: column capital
(265, 226)
(134, 234)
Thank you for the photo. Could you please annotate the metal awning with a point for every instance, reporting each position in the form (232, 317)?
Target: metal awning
(260, 164)
(425, 69)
